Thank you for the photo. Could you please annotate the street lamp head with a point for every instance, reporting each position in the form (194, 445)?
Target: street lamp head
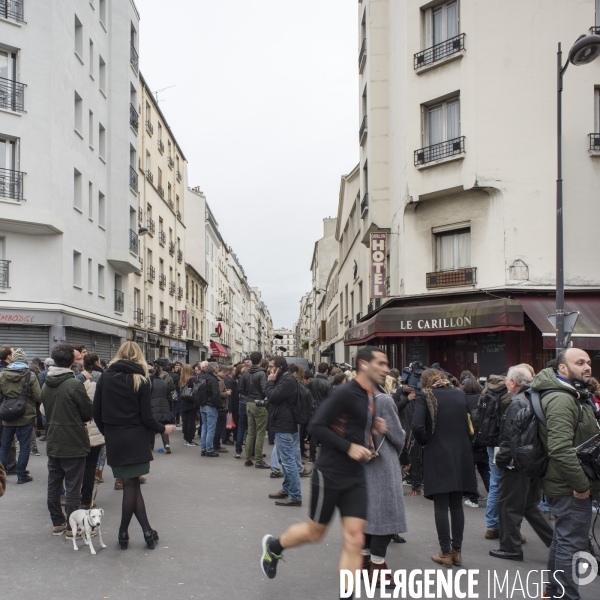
(142, 231)
(585, 50)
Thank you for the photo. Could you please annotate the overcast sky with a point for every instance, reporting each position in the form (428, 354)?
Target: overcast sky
(265, 109)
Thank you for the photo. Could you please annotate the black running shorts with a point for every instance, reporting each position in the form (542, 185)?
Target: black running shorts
(352, 501)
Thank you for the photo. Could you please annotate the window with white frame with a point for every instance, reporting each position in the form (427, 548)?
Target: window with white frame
(441, 23)
(453, 249)
(441, 122)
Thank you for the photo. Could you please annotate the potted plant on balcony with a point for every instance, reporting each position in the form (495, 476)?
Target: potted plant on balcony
(164, 324)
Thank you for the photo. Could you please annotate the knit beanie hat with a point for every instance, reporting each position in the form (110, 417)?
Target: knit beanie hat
(18, 355)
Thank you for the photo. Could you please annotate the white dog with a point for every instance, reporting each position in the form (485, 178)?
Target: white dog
(86, 521)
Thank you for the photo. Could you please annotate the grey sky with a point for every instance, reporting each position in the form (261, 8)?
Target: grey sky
(265, 109)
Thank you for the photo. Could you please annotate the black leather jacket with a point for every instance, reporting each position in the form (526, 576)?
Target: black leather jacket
(253, 379)
(518, 401)
(319, 387)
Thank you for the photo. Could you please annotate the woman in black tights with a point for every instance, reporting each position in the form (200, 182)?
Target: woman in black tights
(441, 425)
(123, 413)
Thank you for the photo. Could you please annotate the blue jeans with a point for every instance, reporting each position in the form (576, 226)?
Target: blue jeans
(491, 508)
(242, 428)
(23, 434)
(286, 453)
(276, 465)
(209, 424)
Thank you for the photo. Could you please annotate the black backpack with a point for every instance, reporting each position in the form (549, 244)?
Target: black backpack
(528, 452)
(13, 409)
(200, 392)
(303, 405)
(488, 416)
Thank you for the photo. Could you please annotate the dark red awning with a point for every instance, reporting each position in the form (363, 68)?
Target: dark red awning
(218, 350)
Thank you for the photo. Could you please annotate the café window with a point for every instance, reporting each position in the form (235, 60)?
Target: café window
(453, 249)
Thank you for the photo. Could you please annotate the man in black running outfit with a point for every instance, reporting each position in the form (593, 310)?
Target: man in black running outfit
(343, 424)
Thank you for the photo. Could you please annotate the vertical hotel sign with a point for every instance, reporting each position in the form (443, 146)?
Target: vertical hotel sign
(184, 319)
(378, 265)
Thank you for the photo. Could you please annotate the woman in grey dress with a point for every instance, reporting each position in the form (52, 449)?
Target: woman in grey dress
(386, 514)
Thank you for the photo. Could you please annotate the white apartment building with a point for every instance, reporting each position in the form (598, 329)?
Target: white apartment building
(195, 315)
(68, 222)
(468, 123)
(287, 340)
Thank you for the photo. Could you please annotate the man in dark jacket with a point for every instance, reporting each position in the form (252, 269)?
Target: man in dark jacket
(571, 421)
(68, 409)
(13, 380)
(253, 388)
(518, 495)
(11, 460)
(319, 387)
(233, 406)
(224, 393)
(210, 411)
(282, 394)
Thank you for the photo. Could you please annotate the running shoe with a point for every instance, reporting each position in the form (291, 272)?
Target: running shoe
(471, 504)
(167, 449)
(269, 560)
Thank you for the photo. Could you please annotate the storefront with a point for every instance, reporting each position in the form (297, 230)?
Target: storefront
(178, 351)
(483, 336)
(219, 352)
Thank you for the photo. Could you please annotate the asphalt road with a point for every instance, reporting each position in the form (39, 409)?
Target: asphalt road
(211, 515)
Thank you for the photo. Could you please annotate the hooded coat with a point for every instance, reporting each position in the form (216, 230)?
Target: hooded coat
(563, 433)
(124, 415)
(12, 381)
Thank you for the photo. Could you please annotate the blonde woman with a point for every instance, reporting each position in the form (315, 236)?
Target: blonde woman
(123, 414)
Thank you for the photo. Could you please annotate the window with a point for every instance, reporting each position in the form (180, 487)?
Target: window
(101, 141)
(102, 74)
(102, 11)
(78, 39)
(169, 148)
(78, 123)
(441, 23)
(90, 201)
(77, 190)
(161, 308)
(159, 131)
(148, 112)
(453, 249)
(101, 290)
(91, 129)
(77, 269)
(169, 193)
(91, 59)
(90, 277)
(161, 266)
(441, 122)
(102, 210)
(177, 202)
(160, 179)
(148, 161)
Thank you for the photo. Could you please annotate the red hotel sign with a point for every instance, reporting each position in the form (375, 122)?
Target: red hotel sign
(378, 265)
(184, 317)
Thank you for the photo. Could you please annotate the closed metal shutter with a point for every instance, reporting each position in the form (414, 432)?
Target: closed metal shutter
(33, 340)
(77, 337)
(107, 346)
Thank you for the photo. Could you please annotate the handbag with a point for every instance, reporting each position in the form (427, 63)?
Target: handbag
(229, 423)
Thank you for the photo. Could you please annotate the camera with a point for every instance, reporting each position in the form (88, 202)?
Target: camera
(261, 403)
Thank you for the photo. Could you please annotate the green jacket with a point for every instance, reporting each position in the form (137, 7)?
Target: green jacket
(68, 408)
(11, 386)
(562, 434)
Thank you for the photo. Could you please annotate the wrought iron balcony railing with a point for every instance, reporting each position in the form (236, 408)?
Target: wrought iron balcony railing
(138, 315)
(149, 127)
(134, 118)
(12, 95)
(164, 323)
(11, 184)
(162, 281)
(149, 176)
(439, 51)
(170, 162)
(161, 146)
(172, 248)
(179, 331)
(178, 215)
(454, 278)
(12, 9)
(4, 273)
(151, 321)
(180, 293)
(362, 55)
(172, 288)
(133, 179)
(594, 141)
(364, 204)
(363, 130)
(151, 225)
(119, 301)
(161, 191)
(134, 242)
(439, 151)
(162, 237)
(179, 255)
(170, 202)
(178, 175)
(172, 328)
(151, 273)
(134, 58)
(140, 216)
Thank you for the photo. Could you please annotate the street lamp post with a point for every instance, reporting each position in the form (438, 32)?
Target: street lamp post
(584, 50)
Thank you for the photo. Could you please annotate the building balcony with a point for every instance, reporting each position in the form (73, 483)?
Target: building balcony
(458, 277)
(162, 237)
(178, 215)
(170, 203)
(164, 324)
(134, 58)
(161, 191)
(11, 184)
(172, 288)
(151, 321)
(151, 273)
(179, 331)
(134, 242)
(178, 175)
(179, 293)
(138, 316)
(134, 118)
(442, 152)
(448, 49)
(594, 143)
(119, 301)
(149, 127)
(149, 176)
(179, 256)
(162, 281)
(362, 133)
(133, 179)
(161, 146)
(170, 162)
(172, 328)
(172, 248)
(362, 55)
(4, 273)
(12, 9)
(364, 204)
(151, 226)
(594, 30)
(12, 95)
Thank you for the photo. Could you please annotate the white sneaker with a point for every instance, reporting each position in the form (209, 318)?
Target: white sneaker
(191, 444)
(471, 504)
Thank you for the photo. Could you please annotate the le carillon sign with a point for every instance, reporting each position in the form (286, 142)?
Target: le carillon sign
(492, 315)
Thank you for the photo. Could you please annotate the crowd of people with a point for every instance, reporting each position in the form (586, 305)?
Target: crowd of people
(360, 435)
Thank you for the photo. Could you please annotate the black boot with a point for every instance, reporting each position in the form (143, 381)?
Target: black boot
(151, 538)
(123, 540)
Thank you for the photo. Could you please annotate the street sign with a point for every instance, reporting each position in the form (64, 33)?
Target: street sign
(184, 319)
(570, 320)
(214, 335)
(219, 330)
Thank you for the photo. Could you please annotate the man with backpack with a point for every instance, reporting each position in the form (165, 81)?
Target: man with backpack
(519, 495)
(20, 392)
(5, 360)
(571, 420)
(319, 387)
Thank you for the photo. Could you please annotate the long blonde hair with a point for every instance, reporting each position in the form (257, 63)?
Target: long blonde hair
(186, 375)
(131, 351)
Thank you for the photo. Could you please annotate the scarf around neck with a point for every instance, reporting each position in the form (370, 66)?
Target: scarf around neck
(432, 403)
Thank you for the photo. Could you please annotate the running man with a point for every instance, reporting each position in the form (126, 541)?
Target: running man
(343, 424)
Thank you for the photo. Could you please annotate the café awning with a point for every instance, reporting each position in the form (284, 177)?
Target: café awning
(587, 329)
(218, 350)
(442, 319)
